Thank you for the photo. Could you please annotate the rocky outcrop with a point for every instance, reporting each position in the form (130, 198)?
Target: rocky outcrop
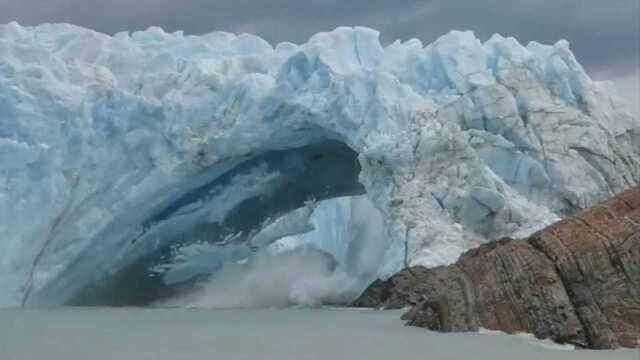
(577, 282)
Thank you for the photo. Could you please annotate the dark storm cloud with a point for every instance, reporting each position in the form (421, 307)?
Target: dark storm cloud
(603, 33)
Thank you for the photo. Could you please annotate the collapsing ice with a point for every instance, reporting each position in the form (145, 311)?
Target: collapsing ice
(120, 155)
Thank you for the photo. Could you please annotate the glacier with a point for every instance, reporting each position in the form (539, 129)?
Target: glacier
(116, 150)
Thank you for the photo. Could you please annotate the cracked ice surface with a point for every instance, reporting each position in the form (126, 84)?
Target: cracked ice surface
(459, 141)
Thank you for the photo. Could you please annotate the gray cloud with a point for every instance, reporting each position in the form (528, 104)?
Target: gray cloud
(603, 34)
(628, 86)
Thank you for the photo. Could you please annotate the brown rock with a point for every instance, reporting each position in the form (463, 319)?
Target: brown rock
(577, 281)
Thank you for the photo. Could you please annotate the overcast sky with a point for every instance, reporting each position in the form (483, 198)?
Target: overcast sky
(604, 34)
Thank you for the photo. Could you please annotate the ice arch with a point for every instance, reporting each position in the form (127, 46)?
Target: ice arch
(105, 139)
(238, 204)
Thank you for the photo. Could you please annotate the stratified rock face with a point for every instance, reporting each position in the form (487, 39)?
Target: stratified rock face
(577, 281)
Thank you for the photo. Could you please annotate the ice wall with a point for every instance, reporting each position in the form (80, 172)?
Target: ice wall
(459, 141)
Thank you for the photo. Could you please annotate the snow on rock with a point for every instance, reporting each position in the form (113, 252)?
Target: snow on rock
(458, 141)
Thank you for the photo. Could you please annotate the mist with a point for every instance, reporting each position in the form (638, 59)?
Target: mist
(330, 265)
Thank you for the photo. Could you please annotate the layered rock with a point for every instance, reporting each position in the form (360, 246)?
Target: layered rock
(577, 281)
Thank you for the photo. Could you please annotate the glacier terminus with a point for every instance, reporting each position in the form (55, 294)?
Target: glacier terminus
(145, 160)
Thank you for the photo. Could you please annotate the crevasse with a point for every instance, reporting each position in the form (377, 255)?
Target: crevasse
(113, 149)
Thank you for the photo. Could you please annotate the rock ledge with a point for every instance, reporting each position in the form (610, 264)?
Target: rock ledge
(575, 282)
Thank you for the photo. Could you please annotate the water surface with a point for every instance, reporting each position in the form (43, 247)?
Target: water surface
(278, 334)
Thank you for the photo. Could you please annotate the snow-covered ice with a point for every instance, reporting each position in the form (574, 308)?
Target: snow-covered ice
(112, 147)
